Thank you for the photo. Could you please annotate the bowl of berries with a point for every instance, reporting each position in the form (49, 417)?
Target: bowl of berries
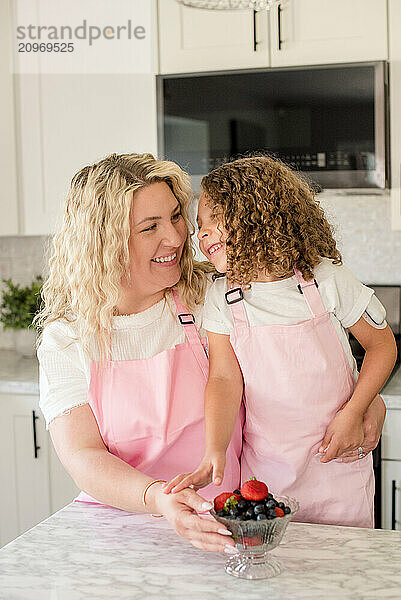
(257, 521)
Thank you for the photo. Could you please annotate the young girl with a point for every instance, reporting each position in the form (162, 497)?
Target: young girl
(277, 332)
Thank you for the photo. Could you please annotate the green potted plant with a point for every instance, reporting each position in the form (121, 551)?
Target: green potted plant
(17, 309)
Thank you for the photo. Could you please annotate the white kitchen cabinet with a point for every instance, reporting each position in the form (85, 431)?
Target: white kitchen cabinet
(394, 22)
(68, 121)
(309, 32)
(197, 39)
(33, 482)
(391, 470)
(391, 494)
(25, 496)
(8, 165)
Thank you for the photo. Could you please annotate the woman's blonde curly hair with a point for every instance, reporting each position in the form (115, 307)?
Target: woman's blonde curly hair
(90, 256)
(272, 219)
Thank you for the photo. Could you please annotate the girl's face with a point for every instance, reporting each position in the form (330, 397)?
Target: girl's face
(158, 234)
(211, 236)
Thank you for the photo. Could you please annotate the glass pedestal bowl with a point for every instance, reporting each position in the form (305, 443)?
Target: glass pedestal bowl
(254, 540)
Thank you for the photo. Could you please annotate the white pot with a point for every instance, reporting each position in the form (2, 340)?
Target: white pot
(24, 342)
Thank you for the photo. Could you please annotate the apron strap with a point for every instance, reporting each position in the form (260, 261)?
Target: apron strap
(311, 293)
(234, 297)
(192, 335)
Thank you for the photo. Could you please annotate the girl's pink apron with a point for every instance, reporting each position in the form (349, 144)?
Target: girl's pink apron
(296, 379)
(150, 412)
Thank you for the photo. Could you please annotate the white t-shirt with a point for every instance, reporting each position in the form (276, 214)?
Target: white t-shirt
(64, 367)
(280, 302)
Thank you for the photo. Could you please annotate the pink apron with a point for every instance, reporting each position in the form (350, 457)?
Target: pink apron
(296, 378)
(150, 412)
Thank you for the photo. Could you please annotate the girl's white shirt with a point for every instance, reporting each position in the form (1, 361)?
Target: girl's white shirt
(280, 302)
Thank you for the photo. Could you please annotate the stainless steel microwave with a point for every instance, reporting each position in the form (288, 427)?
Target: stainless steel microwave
(330, 122)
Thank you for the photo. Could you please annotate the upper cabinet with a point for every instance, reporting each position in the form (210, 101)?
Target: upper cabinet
(193, 39)
(308, 32)
(8, 168)
(395, 102)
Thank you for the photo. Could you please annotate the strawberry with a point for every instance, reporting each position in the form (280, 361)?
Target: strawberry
(221, 499)
(254, 490)
(279, 512)
(254, 541)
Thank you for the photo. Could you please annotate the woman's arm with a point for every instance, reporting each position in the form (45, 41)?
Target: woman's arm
(110, 480)
(345, 432)
(223, 396)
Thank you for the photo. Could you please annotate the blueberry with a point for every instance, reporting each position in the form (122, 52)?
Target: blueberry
(250, 513)
(261, 517)
(242, 505)
(245, 517)
(237, 492)
(254, 502)
(221, 513)
(259, 509)
(286, 510)
(269, 496)
(233, 512)
(280, 504)
(271, 503)
(242, 518)
(271, 514)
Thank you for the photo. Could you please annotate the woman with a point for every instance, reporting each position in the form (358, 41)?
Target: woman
(123, 369)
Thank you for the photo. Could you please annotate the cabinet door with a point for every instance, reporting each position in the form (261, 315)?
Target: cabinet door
(391, 492)
(394, 23)
(391, 436)
(8, 170)
(68, 121)
(197, 39)
(309, 32)
(25, 495)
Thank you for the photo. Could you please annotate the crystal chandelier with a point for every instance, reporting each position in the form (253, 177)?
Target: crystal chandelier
(229, 4)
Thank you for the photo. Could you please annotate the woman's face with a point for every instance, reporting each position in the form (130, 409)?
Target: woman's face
(157, 240)
(211, 236)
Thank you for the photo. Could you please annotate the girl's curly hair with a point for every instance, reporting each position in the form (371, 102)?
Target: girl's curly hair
(272, 219)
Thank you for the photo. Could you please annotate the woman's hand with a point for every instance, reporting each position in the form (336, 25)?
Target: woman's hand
(344, 434)
(181, 511)
(211, 469)
(372, 427)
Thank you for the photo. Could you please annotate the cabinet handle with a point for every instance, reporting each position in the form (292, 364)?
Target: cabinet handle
(35, 446)
(393, 492)
(255, 43)
(279, 11)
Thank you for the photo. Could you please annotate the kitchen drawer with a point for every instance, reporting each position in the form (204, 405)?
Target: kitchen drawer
(391, 436)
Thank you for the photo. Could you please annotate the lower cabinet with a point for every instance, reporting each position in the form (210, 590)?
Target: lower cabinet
(391, 470)
(34, 484)
(391, 494)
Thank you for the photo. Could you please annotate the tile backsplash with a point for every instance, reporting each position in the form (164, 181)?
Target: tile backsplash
(363, 230)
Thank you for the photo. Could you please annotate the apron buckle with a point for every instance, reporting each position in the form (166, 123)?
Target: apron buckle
(236, 290)
(307, 285)
(186, 319)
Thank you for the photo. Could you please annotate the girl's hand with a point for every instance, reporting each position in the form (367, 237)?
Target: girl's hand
(373, 422)
(344, 434)
(181, 511)
(210, 469)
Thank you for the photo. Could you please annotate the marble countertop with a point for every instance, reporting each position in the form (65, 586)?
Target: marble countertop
(92, 552)
(18, 375)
